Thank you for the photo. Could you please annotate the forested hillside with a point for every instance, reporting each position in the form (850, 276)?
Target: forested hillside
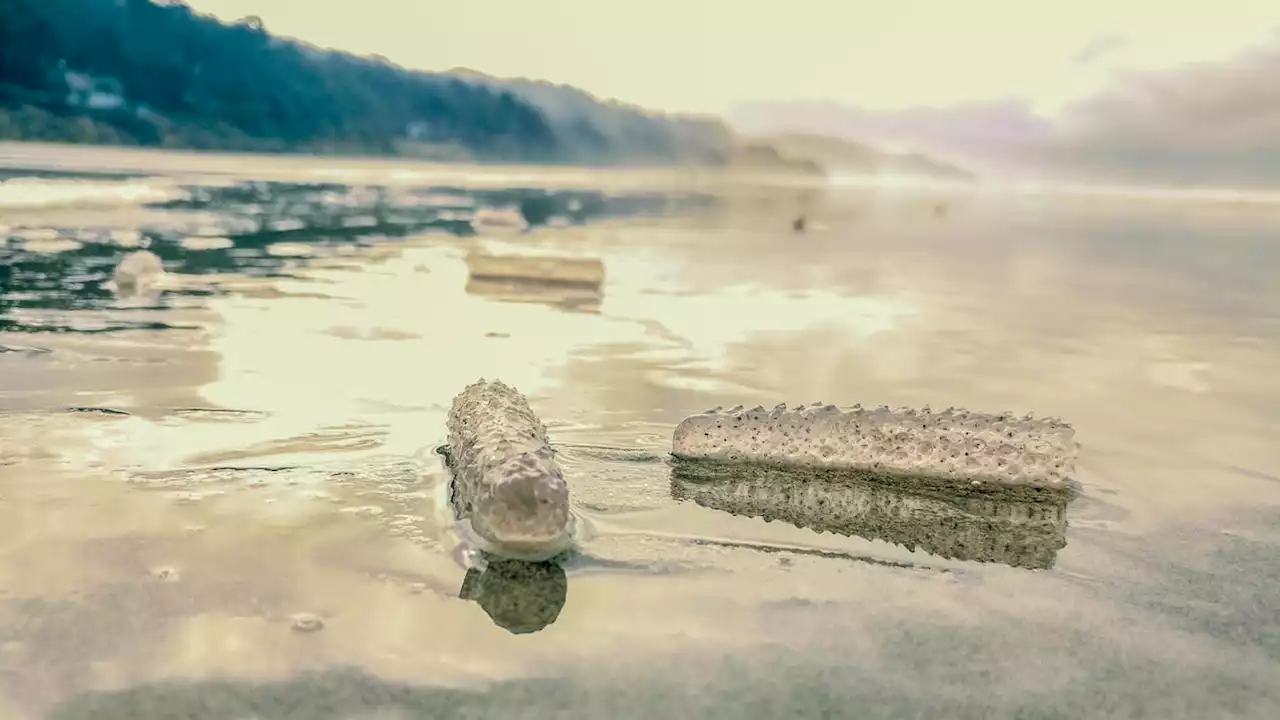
(608, 129)
(157, 73)
(847, 156)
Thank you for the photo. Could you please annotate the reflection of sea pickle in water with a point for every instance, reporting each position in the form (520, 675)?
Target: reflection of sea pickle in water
(521, 597)
(569, 282)
(506, 481)
(508, 219)
(1000, 525)
(953, 445)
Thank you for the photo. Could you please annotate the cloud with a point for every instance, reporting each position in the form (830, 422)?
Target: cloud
(1212, 123)
(1216, 120)
(983, 130)
(1099, 49)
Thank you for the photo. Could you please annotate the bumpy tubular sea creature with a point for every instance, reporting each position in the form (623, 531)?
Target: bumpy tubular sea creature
(993, 528)
(138, 272)
(506, 483)
(946, 448)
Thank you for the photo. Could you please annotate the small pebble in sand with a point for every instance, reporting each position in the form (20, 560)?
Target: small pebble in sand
(306, 623)
(165, 573)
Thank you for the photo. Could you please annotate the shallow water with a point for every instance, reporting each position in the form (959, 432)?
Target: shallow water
(186, 474)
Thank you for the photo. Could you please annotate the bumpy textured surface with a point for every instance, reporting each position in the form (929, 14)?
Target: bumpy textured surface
(953, 444)
(990, 528)
(505, 477)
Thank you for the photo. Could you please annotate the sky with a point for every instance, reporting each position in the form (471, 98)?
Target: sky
(1132, 90)
(710, 55)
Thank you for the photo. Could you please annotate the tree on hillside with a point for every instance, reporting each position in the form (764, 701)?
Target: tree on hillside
(236, 80)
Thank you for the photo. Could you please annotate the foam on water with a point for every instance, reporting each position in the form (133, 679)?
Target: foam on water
(953, 444)
(33, 234)
(126, 238)
(506, 485)
(51, 246)
(26, 193)
(203, 242)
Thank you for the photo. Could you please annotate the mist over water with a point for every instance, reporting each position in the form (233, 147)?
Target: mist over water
(219, 497)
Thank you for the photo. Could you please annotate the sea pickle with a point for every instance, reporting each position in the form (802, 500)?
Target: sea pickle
(953, 445)
(137, 270)
(505, 477)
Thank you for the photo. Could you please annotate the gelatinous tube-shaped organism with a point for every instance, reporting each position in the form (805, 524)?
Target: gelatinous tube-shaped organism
(138, 272)
(945, 447)
(992, 528)
(506, 482)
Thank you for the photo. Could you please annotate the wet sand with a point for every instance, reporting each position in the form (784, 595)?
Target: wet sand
(255, 446)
